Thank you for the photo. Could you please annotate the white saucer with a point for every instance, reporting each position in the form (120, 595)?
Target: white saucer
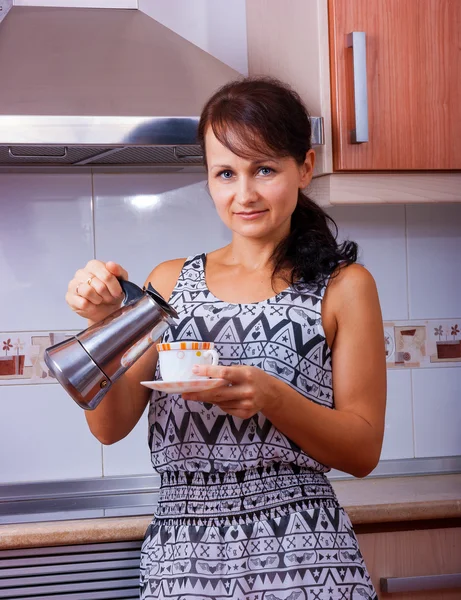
(189, 385)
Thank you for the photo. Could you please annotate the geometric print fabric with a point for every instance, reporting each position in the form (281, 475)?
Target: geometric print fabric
(282, 335)
(308, 554)
(243, 512)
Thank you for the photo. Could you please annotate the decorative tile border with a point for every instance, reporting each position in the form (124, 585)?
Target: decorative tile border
(22, 358)
(409, 344)
(415, 344)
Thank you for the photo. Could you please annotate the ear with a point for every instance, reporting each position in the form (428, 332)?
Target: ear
(307, 169)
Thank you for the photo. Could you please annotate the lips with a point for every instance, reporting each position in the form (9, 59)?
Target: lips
(250, 215)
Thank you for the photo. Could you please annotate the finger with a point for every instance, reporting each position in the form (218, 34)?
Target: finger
(81, 306)
(238, 411)
(81, 288)
(232, 405)
(117, 270)
(215, 396)
(110, 281)
(235, 374)
(98, 287)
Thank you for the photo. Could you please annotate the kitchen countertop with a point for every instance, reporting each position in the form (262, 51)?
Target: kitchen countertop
(367, 501)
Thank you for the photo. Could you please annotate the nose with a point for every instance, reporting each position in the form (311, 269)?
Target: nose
(246, 192)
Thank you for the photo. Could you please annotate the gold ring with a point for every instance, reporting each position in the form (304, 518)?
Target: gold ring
(89, 280)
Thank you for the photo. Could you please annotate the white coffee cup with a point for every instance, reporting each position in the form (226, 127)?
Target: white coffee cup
(177, 359)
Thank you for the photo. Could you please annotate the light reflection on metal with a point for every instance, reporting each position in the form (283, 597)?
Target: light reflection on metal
(98, 131)
(16, 130)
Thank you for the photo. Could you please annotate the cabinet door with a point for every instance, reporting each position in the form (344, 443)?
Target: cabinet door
(402, 554)
(413, 83)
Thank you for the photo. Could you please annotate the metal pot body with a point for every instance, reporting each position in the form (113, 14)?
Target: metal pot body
(88, 364)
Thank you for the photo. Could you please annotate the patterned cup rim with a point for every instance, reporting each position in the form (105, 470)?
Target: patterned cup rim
(185, 346)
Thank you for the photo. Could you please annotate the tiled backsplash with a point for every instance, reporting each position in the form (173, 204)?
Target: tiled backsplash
(23, 358)
(415, 344)
(409, 344)
(52, 224)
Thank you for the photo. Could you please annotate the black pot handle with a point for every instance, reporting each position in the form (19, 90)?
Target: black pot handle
(131, 290)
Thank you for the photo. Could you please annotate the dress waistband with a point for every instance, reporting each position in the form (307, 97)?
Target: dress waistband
(200, 494)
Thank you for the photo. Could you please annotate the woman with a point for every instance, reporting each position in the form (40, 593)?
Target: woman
(245, 509)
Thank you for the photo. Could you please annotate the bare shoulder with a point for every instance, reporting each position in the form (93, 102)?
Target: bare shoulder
(353, 277)
(352, 288)
(165, 275)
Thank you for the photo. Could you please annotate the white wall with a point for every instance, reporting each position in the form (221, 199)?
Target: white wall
(47, 231)
(216, 26)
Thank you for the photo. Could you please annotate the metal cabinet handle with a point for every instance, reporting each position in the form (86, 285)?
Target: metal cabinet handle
(182, 156)
(357, 41)
(13, 155)
(318, 131)
(394, 585)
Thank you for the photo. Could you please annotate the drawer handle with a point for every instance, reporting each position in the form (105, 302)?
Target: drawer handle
(357, 41)
(13, 155)
(393, 585)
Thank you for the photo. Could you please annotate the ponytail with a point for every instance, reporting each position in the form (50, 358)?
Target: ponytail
(311, 252)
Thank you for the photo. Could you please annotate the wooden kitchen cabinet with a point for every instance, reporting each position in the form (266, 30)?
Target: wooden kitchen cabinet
(413, 553)
(413, 86)
(413, 83)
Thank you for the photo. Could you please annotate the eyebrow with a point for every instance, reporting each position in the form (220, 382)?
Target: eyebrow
(253, 163)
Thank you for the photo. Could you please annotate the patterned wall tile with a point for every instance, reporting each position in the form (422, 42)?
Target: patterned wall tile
(431, 343)
(22, 360)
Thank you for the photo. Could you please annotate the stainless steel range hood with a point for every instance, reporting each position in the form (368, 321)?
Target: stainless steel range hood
(101, 87)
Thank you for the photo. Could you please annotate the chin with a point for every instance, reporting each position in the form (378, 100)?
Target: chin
(252, 226)
(257, 229)
(255, 233)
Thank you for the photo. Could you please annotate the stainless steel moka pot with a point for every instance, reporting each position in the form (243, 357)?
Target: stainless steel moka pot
(88, 364)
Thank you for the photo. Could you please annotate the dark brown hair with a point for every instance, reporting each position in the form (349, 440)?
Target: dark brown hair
(261, 115)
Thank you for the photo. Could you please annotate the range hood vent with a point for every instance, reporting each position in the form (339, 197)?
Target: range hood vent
(102, 87)
(79, 156)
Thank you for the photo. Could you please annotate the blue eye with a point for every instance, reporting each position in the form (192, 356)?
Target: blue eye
(267, 170)
(225, 174)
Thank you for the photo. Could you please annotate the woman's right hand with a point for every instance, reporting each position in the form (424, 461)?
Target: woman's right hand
(94, 292)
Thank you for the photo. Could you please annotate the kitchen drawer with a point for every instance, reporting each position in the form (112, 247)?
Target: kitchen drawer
(415, 554)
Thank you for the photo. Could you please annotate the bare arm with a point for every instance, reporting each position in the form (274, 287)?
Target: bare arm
(123, 406)
(349, 437)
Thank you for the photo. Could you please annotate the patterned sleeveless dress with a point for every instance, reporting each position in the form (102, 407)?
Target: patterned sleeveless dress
(243, 512)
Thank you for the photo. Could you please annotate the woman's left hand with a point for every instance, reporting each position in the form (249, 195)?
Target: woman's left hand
(249, 391)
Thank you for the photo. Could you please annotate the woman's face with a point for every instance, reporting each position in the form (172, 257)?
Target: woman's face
(255, 197)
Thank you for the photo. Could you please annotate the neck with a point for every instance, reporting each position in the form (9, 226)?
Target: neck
(253, 254)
